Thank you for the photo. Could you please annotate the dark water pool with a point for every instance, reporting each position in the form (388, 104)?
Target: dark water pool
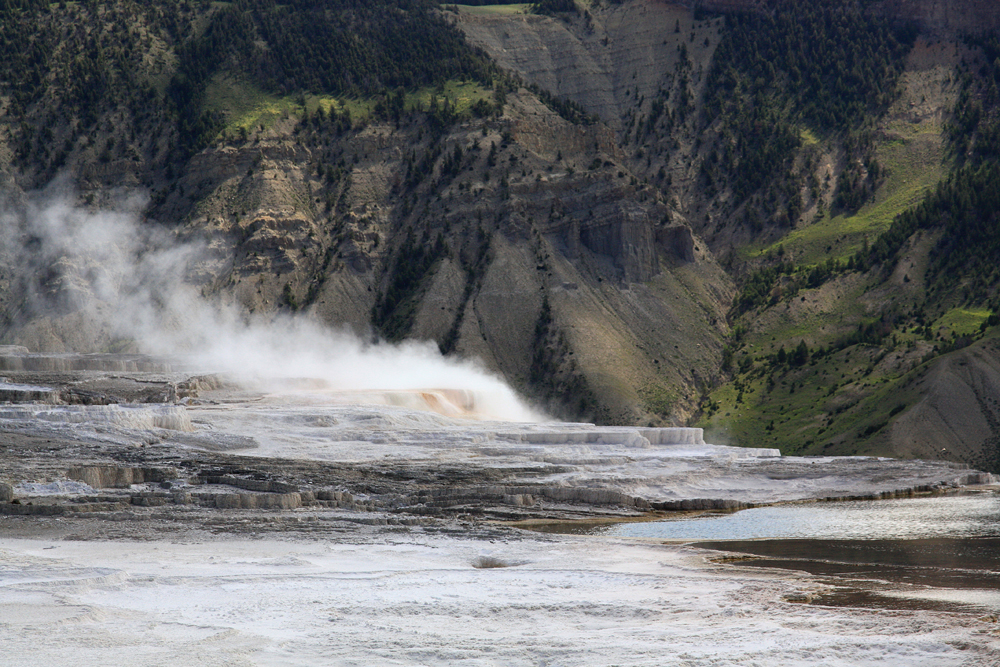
(935, 553)
(948, 574)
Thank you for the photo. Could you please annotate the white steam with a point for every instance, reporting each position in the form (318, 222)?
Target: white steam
(128, 279)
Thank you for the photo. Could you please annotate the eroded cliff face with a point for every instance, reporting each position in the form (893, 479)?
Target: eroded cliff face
(544, 256)
(607, 60)
(559, 268)
(631, 65)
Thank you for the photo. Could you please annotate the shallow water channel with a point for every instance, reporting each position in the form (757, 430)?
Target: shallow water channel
(976, 515)
(940, 553)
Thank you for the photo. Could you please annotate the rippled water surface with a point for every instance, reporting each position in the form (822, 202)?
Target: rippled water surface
(905, 519)
(937, 553)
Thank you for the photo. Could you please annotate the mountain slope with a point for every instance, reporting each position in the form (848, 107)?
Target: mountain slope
(636, 212)
(806, 273)
(469, 212)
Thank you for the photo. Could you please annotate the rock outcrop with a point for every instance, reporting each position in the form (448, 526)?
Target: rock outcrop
(113, 477)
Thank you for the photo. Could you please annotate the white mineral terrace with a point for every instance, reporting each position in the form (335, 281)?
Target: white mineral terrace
(415, 595)
(658, 465)
(417, 599)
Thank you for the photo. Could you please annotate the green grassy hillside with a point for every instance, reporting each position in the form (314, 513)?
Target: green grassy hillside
(845, 318)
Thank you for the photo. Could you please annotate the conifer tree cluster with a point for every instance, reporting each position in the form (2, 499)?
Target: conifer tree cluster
(81, 62)
(828, 65)
(965, 207)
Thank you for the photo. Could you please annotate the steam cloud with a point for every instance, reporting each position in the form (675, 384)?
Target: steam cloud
(127, 280)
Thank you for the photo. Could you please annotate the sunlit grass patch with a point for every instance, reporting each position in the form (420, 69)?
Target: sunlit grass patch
(837, 398)
(463, 94)
(962, 321)
(358, 108)
(243, 105)
(247, 108)
(808, 137)
(914, 165)
(493, 10)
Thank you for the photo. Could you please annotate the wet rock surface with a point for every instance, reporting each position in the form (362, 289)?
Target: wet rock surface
(243, 516)
(224, 450)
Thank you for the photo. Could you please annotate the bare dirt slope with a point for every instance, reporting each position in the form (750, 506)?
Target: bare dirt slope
(606, 60)
(958, 416)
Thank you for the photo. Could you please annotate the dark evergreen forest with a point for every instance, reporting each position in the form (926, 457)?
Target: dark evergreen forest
(342, 47)
(828, 66)
(965, 208)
